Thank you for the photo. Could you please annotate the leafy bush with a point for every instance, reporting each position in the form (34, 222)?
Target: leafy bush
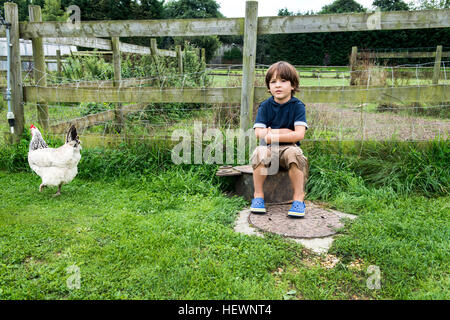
(164, 70)
(88, 108)
(87, 68)
(233, 55)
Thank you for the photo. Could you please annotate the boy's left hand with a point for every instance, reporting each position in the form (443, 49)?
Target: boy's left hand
(269, 135)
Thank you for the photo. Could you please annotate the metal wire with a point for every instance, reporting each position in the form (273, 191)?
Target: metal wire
(339, 122)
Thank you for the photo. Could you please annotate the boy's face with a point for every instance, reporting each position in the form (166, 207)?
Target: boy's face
(281, 89)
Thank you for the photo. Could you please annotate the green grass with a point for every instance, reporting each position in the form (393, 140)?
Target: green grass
(139, 228)
(130, 240)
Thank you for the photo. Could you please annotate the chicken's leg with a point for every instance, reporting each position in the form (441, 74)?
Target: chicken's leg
(58, 193)
(41, 187)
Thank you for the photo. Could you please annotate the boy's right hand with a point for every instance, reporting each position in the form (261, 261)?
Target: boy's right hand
(268, 137)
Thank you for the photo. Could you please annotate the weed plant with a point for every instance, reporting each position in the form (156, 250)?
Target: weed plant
(406, 167)
(159, 72)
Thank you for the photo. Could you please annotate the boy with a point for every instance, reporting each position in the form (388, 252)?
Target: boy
(280, 120)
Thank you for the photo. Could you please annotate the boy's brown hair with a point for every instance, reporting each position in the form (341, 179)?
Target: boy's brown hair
(286, 71)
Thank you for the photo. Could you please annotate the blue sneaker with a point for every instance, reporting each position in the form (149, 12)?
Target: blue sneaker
(297, 209)
(258, 206)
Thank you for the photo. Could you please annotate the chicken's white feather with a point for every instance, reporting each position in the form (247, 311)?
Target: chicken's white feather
(56, 166)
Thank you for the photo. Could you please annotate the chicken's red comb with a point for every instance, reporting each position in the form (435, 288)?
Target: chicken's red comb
(32, 126)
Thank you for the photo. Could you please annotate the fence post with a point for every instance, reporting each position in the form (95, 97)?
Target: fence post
(59, 63)
(248, 67)
(40, 76)
(115, 43)
(154, 55)
(353, 59)
(437, 65)
(12, 16)
(179, 58)
(203, 56)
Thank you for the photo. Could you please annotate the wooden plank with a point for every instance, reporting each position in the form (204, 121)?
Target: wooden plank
(154, 56)
(353, 60)
(30, 58)
(12, 16)
(353, 94)
(399, 55)
(133, 48)
(167, 53)
(248, 67)
(135, 28)
(94, 119)
(187, 95)
(437, 65)
(58, 63)
(83, 122)
(179, 58)
(389, 20)
(105, 44)
(117, 77)
(360, 94)
(100, 84)
(40, 73)
(87, 42)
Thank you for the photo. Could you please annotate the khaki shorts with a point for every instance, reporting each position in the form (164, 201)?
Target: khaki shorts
(287, 155)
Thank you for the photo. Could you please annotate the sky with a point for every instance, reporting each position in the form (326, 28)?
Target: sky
(236, 8)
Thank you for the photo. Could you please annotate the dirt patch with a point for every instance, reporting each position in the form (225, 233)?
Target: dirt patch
(350, 123)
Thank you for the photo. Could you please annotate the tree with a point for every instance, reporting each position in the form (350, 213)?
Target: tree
(342, 6)
(90, 10)
(22, 7)
(52, 11)
(188, 9)
(149, 9)
(118, 9)
(193, 9)
(429, 4)
(391, 5)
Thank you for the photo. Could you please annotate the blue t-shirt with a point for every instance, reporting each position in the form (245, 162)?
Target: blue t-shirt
(278, 116)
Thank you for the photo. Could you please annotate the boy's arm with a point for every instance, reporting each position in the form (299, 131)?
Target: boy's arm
(284, 135)
(260, 132)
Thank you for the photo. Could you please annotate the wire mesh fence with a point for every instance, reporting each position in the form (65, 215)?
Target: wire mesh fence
(106, 122)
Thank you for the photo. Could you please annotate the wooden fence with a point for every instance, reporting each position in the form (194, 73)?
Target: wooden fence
(438, 55)
(250, 27)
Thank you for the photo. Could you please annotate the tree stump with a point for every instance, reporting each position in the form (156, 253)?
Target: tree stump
(277, 188)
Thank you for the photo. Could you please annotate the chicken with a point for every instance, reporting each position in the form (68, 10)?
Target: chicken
(55, 166)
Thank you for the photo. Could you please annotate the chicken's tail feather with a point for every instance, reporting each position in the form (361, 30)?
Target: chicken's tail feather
(72, 134)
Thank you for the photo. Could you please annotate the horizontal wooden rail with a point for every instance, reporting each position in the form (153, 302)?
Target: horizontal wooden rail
(93, 119)
(393, 20)
(134, 28)
(397, 55)
(95, 43)
(136, 94)
(101, 84)
(105, 44)
(351, 94)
